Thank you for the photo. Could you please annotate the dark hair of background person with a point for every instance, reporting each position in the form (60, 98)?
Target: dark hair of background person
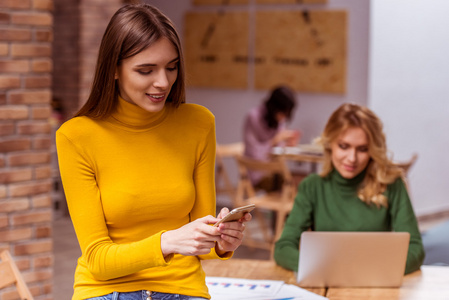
(281, 100)
(132, 29)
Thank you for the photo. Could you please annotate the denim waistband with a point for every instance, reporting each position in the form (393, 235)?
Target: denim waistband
(145, 295)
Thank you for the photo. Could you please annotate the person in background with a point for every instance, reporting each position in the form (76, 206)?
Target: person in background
(137, 166)
(265, 127)
(359, 189)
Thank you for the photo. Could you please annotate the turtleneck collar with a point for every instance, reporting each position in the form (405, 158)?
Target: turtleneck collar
(132, 117)
(353, 182)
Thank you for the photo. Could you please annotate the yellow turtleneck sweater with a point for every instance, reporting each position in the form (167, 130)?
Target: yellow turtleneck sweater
(129, 178)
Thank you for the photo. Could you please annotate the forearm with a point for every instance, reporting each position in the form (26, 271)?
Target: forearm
(286, 255)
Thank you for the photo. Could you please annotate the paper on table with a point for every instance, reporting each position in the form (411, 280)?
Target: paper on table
(223, 288)
(293, 292)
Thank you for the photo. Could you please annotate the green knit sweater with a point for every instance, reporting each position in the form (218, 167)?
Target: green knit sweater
(331, 204)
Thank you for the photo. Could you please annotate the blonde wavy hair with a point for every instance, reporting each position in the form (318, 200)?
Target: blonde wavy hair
(381, 171)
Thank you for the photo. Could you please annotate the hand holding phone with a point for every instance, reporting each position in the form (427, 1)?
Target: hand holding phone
(236, 214)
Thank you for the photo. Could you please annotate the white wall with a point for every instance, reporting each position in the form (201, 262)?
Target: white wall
(409, 90)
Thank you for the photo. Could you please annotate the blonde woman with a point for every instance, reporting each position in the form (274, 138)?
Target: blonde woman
(359, 189)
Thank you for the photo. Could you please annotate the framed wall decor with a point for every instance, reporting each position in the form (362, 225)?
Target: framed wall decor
(216, 49)
(304, 49)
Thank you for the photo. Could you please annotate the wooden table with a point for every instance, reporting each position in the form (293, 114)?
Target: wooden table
(430, 283)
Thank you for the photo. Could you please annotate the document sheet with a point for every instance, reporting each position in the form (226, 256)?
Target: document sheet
(224, 288)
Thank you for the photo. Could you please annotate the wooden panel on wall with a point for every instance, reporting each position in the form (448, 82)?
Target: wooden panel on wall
(290, 1)
(304, 49)
(218, 2)
(216, 46)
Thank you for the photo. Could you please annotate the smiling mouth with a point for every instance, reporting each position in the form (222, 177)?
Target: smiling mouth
(350, 168)
(156, 98)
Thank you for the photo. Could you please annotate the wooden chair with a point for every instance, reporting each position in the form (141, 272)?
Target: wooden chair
(279, 202)
(407, 165)
(223, 183)
(10, 274)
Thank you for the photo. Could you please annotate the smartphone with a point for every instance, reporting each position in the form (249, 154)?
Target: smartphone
(236, 214)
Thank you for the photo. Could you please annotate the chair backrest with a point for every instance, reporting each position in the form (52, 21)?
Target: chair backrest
(223, 183)
(279, 202)
(274, 166)
(10, 274)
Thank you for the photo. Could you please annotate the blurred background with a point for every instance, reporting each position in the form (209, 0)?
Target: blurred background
(395, 62)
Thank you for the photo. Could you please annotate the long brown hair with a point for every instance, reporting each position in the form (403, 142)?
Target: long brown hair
(132, 29)
(381, 171)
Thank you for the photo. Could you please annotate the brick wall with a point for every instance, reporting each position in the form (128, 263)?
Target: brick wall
(94, 17)
(25, 141)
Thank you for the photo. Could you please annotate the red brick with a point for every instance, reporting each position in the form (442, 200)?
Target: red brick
(38, 82)
(23, 264)
(13, 112)
(36, 276)
(4, 18)
(14, 235)
(33, 18)
(47, 289)
(2, 161)
(43, 232)
(15, 175)
(34, 97)
(4, 49)
(43, 261)
(26, 189)
(41, 112)
(14, 205)
(42, 143)
(30, 50)
(15, 35)
(42, 172)
(2, 191)
(2, 98)
(40, 201)
(33, 247)
(32, 217)
(42, 66)
(11, 4)
(9, 82)
(14, 66)
(6, 129)
(33, 127)
(3, 221)
(29, 158)
(14, 144)
(44, 35)
(43, 5)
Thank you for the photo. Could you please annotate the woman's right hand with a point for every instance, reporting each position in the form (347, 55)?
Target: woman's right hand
(194, 238)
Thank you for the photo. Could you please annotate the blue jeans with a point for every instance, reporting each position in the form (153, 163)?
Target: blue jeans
(145, 295)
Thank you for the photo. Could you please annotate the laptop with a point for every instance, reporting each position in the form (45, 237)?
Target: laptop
(352, 259)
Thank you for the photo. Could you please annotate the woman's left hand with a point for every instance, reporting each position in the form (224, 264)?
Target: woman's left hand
(231, 232)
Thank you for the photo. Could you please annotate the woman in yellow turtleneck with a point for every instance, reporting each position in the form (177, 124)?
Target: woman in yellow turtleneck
(137, 165)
